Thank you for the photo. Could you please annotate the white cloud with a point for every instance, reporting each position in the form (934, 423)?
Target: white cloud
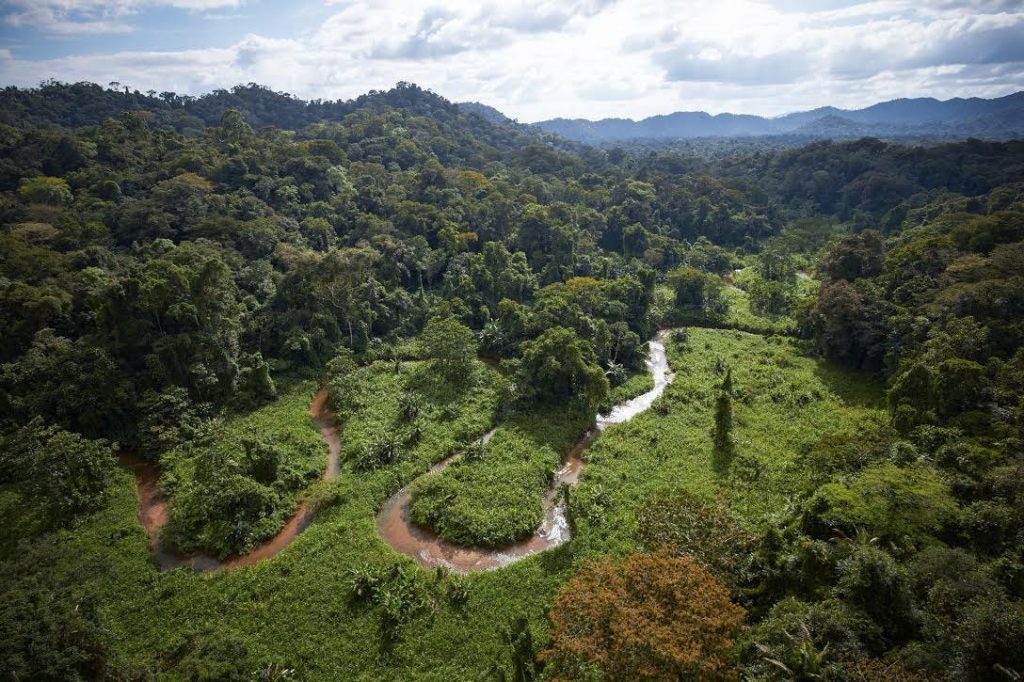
(537, 59)
(68, 17)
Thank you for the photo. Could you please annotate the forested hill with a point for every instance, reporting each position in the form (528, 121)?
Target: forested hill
(74, 105)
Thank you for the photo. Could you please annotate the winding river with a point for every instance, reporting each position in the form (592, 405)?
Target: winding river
(398, 530)
(153, 505)
(393, 522)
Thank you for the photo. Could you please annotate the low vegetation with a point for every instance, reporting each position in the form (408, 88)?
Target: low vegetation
(493, 494)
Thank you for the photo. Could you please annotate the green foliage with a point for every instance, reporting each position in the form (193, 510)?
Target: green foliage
(229, 494)
(698, 294)
(63, 473)
(559, 367)
(169, 264)
(807, 640)
(400, 595)
(209, 653)
(43, 190)
(891, 502)
(379, 435)
(50, 635)
(872, 581)
(169, 420)
(496, 496)
(450, 345)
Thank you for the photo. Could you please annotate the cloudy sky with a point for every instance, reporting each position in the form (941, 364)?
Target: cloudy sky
(533, 59)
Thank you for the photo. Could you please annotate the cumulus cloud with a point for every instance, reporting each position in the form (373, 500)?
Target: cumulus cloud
(539, 59)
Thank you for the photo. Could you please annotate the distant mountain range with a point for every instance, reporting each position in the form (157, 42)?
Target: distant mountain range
(1001, 118)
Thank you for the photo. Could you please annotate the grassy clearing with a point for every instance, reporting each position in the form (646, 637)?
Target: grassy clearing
(742, 316)
(783, 403)
(417, 413)
(296, 608)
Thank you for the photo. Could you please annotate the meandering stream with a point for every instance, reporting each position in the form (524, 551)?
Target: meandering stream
(153, 505)
(393, 522)
(398, 530)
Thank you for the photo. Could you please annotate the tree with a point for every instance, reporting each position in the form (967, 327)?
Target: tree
(855, 256)
(888, 501)
(848, 324)
(645, 617)
(43, 190)
(724, 448)
(872, 581)
(340, 379)
(698, 292)
(451, 345)
(66, 473)
(558, 366)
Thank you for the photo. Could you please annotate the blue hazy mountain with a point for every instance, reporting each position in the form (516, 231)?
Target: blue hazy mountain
(1000, 118)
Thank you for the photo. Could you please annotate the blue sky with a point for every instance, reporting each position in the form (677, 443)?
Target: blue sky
(533, 59)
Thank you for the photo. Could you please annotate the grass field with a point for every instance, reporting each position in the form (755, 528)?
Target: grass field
(297, 610)
(784, 402)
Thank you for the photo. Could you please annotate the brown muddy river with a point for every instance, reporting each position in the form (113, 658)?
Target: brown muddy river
(153, 505)
(398, 530)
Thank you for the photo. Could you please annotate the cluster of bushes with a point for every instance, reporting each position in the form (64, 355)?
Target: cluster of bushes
(234, 490)
(494, 494)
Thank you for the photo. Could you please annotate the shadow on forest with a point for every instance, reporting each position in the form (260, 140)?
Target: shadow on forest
(438, 390)
(853, 388)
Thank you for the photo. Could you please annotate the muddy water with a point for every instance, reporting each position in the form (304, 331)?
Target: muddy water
(153, 505)
(398, 530)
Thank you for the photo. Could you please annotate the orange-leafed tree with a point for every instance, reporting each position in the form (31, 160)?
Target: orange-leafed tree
(649, 616)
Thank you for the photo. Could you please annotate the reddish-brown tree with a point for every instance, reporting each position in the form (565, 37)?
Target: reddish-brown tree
(649, 616)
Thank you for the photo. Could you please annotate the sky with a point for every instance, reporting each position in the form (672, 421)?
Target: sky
(533, 59)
